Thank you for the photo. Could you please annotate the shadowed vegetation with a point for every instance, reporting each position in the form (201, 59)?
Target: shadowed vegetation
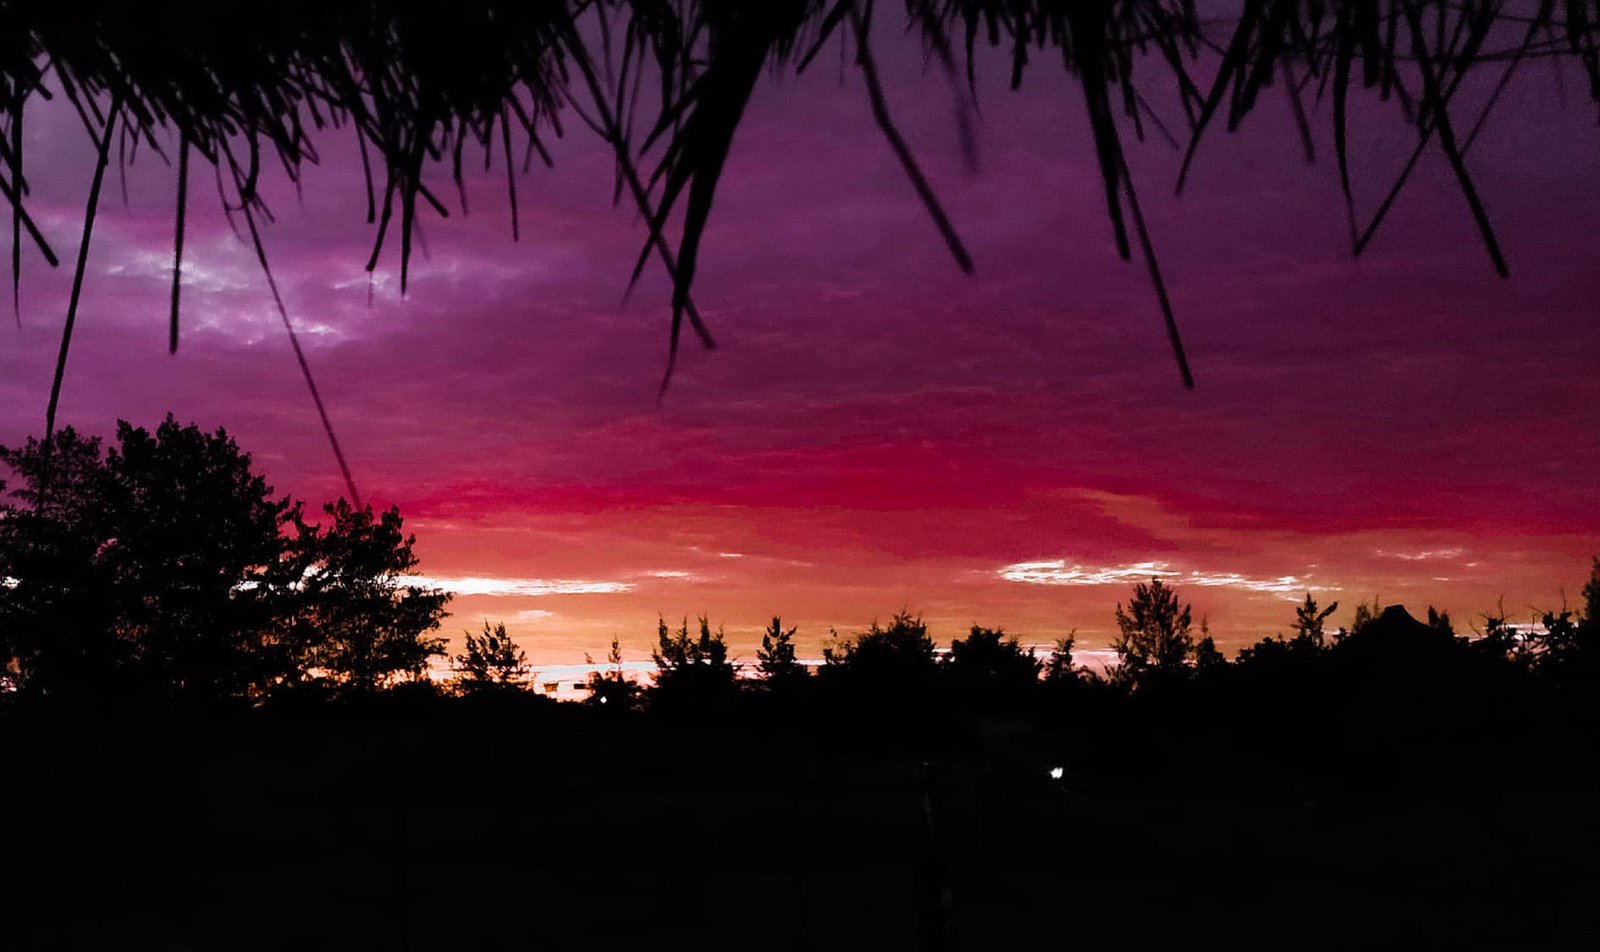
(165, 567)
(491, 661)
(241, 692)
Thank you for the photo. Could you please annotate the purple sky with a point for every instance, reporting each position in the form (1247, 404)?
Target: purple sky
(879, 431)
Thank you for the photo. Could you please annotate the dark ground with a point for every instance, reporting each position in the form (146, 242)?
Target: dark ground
(452, 825)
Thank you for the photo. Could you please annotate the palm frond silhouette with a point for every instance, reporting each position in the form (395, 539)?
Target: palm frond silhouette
(665, 84)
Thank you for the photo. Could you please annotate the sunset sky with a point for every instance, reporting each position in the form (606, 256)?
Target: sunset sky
(879, 431)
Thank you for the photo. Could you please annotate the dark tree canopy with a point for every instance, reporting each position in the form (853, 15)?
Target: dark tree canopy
(1058, 667)
(490, 660)
(370, 624)
(776, 659)
(1309, 621)
(903, 652)
(163, 561)
(57, 627)
(167, 566)
(691, 666)
(1153, 638)
(989, 664)
(197, 560)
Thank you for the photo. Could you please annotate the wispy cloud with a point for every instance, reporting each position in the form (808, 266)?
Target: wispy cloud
(1423, 556)
(1058, 572)
(1283, 584)
(524, 587)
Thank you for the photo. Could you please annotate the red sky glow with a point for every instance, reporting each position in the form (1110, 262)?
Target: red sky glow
(877, 430)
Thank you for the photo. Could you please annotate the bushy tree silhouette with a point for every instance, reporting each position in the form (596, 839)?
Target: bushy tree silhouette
(363, 624)
(1309, 637)
(1500, 640)
(199, 562)
(1365, 615)
(490, 660)
(167, 566)
(1058, 668)
(900, 654)
(1583, 652)
(57, 631)
(1591, 598)
(775, 659)
(1208, 658)
(1153, 639)
(1567, 650)
(164, 563)
(989, 666)
(691, 670)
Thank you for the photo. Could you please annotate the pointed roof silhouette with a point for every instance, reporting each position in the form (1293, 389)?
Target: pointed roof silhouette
(1396, 641)
(1396, 622)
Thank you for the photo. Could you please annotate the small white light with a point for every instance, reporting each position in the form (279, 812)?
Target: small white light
(602, 699)
(1056, 773)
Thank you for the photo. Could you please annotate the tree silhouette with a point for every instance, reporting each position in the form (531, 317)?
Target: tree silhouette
(162, 564)
(1153, 639)
(1567, 651)
(199, 562)
(1364, 617)
(1500, 640)
(991, 666)
(1058, 668)
(691, 670)
(56, 615)
(1208, 658)
(1308, 622)
(613, 689)
(1309, 637)
(1591, 598)
(775, 659)
(490, 660)
(899, 654)
(1583, 654)
(362, 622)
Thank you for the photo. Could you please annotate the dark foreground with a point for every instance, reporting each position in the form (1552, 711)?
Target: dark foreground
(507, 824)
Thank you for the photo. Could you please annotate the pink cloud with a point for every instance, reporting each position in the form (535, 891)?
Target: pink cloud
(878, 430)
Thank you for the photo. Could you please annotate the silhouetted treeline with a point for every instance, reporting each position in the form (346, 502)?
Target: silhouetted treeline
(163, 566)
(898, 665)
(1327, 789)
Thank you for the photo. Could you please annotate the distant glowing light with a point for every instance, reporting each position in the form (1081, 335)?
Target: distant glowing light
(1056, 773)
